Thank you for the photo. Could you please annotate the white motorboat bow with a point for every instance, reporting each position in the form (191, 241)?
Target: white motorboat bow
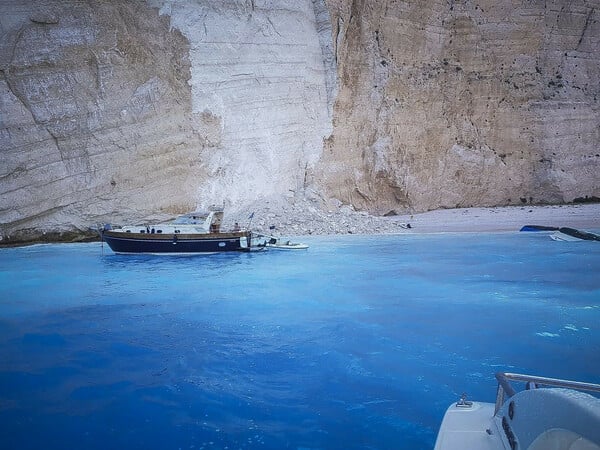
(557, 416)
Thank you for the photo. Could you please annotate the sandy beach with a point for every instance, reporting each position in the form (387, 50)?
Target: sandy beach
(511, 218)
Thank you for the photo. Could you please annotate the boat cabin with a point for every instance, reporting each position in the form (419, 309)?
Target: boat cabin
(198, 222)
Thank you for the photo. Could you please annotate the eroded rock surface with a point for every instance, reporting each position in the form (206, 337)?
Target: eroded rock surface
(260, 93)
(119, 111)
(96, 116)
(114, 110)
(462, 103)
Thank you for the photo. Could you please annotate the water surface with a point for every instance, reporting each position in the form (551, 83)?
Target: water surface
(359, 342)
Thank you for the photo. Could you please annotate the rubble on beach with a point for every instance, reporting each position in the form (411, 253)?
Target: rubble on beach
(305, 218)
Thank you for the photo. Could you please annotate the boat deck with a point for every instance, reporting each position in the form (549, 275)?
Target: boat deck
(469, 428)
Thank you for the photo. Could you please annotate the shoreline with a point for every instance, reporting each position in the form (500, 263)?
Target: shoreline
(304, 219)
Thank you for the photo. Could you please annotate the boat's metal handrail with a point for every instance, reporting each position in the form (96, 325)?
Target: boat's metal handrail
(504, 386)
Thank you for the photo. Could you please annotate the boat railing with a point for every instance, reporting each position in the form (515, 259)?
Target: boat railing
(506, 389)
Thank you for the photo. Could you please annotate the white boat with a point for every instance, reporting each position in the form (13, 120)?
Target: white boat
(549, 414)
(558, 236)
(287, 246)
(275, 243)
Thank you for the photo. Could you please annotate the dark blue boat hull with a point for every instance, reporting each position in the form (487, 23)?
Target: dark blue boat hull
(538, 228)
(139, 243)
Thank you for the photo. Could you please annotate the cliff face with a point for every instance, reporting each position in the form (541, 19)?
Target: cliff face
(96, 115)
(117, 110)
(261, 93)
(461, 103)
(113, 111)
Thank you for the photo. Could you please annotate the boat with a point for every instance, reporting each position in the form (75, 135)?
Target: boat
(195, 232)
(546, 414)
(278, 244)
(287, 246)
(571, 234)
(564, 233)
(537, 228)
(564, 237)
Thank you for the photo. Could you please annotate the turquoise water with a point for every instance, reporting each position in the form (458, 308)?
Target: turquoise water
(359, 342)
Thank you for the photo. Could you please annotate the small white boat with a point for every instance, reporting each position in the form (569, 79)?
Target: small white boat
(287, 246)
(274, 243)
(557, 416)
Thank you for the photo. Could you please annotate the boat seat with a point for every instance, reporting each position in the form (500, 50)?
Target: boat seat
(551, 419)
(561, 439)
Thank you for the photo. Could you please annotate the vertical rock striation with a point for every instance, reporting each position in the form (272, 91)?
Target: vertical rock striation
(260, 93)
(461, 103)
(96, 116)
(113, 110)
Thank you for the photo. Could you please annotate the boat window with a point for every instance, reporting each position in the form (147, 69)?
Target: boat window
(128, 231)
(159, 231)
(141, 231)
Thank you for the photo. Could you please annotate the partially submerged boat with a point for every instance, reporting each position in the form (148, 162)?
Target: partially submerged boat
(564, 233)
(549, 414)
(195, 232)
(537, 228)
(571, 234)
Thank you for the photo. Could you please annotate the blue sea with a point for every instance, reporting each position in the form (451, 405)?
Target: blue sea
(359, 342)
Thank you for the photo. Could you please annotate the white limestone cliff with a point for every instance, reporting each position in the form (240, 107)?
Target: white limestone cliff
(114, 111)
(95, 116)
(259, 94)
